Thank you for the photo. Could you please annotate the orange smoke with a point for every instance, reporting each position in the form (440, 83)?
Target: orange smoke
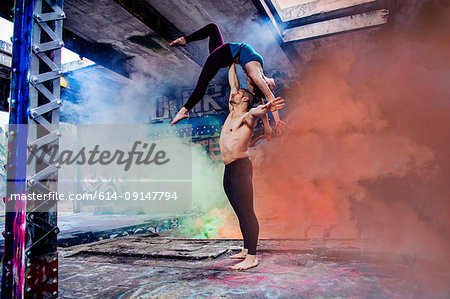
(230, 227)
(367, 151)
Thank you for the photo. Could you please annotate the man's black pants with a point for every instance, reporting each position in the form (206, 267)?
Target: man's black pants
(238, 185)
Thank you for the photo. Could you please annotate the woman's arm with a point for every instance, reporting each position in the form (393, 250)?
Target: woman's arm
(256, 75)
(268, 132)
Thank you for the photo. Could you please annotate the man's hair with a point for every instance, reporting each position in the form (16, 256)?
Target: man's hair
(252, 99)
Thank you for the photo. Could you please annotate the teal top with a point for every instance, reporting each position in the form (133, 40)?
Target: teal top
(246, 53)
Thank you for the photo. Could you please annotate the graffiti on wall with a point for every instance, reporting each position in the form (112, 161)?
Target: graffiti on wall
(215, 101)
(211, 146)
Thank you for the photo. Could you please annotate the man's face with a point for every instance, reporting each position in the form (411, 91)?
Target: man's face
(237, 97)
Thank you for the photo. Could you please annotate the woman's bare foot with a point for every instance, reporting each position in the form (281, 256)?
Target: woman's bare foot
(183, 113)
(240, 255)
(249, 262)
(181, 41)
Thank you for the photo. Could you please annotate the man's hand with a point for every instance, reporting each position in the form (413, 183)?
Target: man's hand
(254, 113)
(275, 104)
(183, 113)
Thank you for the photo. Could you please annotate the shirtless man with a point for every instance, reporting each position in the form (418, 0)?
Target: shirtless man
(237, 181)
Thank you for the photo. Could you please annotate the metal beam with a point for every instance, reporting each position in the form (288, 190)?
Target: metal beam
(338, 13)
(147, 14)
(13, 256)
(43, 117)
(314, 7)
(30, 260)
(324, 28)
(288, 49)
(101, 53)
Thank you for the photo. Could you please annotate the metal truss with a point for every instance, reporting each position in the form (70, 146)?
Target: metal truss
(30, 261)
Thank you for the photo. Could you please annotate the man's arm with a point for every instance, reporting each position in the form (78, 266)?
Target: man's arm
(254, 113)
(268, 132)
(233, 79)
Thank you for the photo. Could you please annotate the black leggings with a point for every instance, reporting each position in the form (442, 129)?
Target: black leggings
(237, 182)
(219, 57)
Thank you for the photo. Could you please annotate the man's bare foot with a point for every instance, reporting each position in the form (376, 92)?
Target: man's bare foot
(249, 262)
(240, 255)
(181, 41)
(183, 113)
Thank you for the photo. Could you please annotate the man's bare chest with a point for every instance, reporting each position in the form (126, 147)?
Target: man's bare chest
(233, 124)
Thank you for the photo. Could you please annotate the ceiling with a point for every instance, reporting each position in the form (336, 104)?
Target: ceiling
(144, 45)
(131, 36)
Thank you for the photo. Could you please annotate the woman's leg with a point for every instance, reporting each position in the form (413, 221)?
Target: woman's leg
(212, 31)
(221, 57)
(218, 59)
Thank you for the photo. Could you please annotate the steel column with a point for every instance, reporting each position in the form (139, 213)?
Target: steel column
(30, 262)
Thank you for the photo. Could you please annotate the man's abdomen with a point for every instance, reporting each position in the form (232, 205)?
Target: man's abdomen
(233, 151)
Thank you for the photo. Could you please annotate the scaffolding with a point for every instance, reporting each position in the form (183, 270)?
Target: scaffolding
(30, 260)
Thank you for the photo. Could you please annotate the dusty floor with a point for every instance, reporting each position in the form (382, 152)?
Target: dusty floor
(143, 266)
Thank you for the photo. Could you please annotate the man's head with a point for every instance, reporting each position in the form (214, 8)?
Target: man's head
(243, 96)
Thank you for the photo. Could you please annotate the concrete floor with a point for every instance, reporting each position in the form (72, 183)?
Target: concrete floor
(143, 266)
(81, 228)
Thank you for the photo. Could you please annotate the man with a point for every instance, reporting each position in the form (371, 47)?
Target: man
(237, 181)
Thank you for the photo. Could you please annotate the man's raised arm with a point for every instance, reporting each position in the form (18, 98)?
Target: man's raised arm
(254, 113)
(233, 79)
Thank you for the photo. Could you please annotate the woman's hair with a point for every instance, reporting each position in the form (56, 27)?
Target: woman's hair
(258, 93)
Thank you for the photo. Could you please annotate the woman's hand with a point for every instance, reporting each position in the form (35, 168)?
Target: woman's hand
(279, 126)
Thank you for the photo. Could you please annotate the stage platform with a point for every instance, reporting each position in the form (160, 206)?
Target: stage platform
(167, 266)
